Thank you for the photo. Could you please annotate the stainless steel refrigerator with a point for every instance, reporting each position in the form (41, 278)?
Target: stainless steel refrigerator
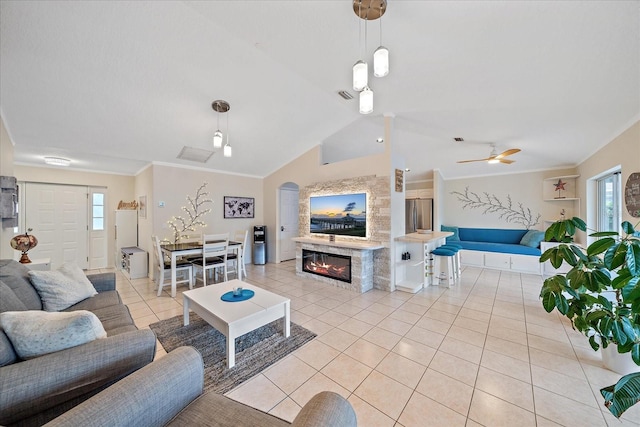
(418, 215)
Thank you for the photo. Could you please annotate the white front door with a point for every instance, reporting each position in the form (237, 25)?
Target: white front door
(58, 216)
(288, 223)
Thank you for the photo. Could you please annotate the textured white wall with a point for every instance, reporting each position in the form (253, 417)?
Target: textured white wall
(524, 188)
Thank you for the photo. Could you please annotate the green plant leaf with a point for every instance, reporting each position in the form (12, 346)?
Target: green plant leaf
(635, 353)
(600, 246)
(622, 395)
(631, 290)
(549, 302)
(606, 325)
(633, 259)
(627, 227)
(579, 253)
(628, 329)
(579, 223)
(605, 303)
(614, 257)
(594, 345)
(595, 315)
(617, 331)
(556, 258)
(561, 303)
(604, 234)
(602, 276)
(547, 254)
(567, 254)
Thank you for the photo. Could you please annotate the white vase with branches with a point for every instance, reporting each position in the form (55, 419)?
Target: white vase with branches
(195, 210)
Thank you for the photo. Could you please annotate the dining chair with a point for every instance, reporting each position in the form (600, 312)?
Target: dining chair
(163, 266)
(214, 255)
(235, 258)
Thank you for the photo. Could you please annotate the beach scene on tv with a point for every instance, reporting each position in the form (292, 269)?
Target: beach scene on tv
(340, 214)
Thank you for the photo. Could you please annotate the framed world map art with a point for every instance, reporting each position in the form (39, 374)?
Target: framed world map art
(239, 207)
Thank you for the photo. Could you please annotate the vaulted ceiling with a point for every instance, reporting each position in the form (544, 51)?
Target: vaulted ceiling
(115, 85)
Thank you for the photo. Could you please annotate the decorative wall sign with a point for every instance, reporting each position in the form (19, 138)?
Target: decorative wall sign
(632, 194)
(142, 206)
(399, 180)
(491, 204)
(238, 207)
(128, 205)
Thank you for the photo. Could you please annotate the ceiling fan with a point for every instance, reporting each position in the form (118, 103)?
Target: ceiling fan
(494, 157)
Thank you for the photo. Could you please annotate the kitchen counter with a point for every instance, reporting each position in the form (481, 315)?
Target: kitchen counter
(424, 237)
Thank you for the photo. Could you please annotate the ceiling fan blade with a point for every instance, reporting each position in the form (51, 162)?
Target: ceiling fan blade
(475, 160)
(507, 153)
(506, 161)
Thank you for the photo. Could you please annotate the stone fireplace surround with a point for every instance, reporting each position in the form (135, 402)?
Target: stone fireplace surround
(373, 252)
(362, 261)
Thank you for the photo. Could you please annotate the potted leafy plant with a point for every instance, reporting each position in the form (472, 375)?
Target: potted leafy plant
(600, 295)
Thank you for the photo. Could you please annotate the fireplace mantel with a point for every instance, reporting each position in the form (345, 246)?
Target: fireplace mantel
(363, 246)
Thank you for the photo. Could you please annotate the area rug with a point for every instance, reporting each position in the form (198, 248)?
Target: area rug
(255, 351)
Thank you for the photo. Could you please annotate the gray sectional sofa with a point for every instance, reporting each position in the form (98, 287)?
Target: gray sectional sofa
(34, 391)
(168, 392)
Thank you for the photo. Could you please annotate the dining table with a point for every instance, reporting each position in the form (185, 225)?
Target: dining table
(177, 250)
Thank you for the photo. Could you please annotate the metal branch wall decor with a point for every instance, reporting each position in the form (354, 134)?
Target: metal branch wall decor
(195, 211)
(491, 204)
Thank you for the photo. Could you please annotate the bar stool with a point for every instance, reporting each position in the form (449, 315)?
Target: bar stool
(457, 261)
(439, 255)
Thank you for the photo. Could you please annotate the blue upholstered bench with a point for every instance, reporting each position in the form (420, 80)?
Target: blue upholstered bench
(498, 248)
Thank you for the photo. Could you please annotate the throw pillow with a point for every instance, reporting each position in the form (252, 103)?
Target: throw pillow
(532, 238)
(35, 332)
(455, 237)
(62, 288)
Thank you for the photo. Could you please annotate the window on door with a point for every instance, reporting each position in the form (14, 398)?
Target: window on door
(97, 212)
(609, 202)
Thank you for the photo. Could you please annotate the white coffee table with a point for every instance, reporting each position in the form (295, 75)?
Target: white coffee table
(234, 319)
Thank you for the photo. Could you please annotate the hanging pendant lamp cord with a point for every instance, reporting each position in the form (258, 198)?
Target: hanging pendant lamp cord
(362, 53)
(380, 23)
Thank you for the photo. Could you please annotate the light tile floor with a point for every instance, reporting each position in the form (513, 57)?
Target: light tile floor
(483, 353)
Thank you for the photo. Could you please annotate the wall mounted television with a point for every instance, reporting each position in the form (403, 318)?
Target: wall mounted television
(339, 214)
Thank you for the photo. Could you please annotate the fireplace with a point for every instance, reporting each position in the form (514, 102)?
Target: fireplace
(334, 266)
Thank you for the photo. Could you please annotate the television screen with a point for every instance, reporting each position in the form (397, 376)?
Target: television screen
(339, 214)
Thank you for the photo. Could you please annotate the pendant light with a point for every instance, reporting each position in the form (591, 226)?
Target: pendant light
(360, 68)
(217, 139)
(227, 148)
(360, 75)
(366, 101)
(221, 106)
(369, 10)
(381, 55)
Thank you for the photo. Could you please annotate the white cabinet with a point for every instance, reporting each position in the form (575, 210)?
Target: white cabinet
(424, 193)
(414, 274)
(501, 261)
(134, 262)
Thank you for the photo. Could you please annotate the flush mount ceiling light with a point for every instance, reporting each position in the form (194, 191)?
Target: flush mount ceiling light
(369, 10)
(380, 140)
(221, 106)
(57, 161)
